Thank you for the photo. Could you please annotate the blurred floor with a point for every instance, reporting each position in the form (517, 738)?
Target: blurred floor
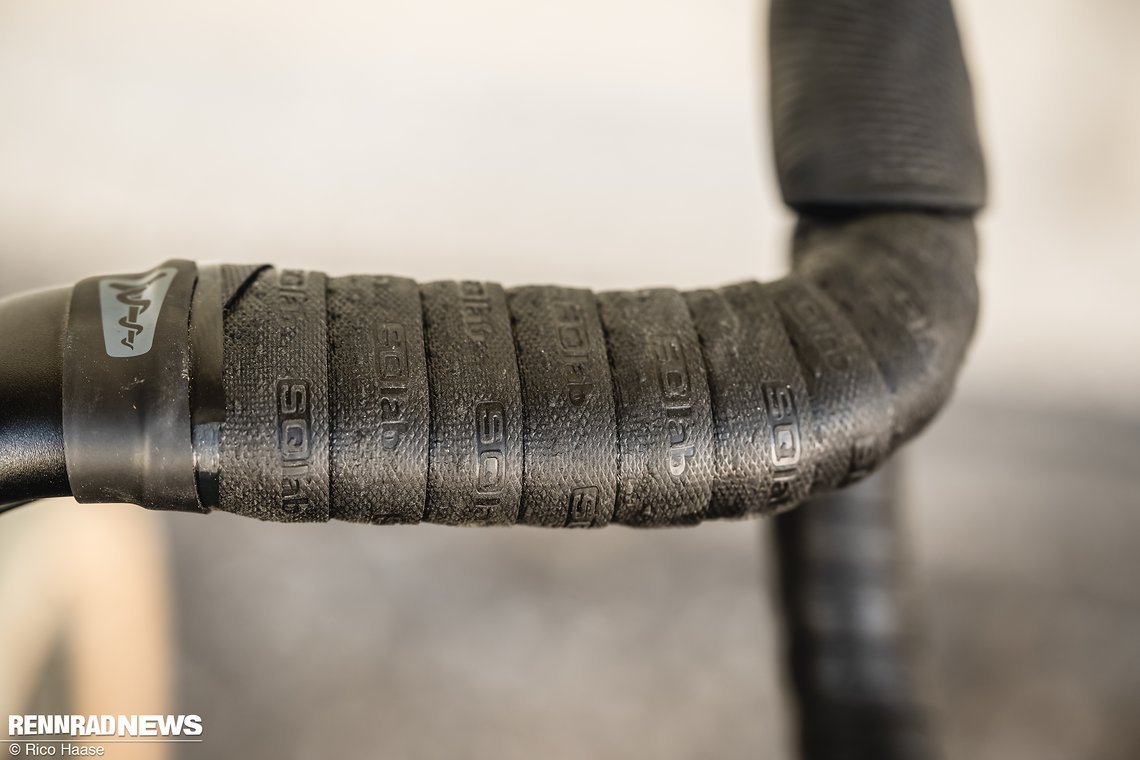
(85, 599)
(1026, 524)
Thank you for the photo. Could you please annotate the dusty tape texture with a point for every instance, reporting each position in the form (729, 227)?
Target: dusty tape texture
(664, 416)
(274, 450)
(571, 430)
(759, 402)
(908, 284)
(476, 454)
(459, 403)
(378, 400)
(850, 405)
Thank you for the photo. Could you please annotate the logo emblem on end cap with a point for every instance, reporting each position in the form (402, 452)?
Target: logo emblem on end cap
(130, 310)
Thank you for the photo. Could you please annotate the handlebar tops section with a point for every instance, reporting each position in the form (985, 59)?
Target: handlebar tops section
(374, 400)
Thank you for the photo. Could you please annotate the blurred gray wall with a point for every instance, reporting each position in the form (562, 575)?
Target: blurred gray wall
(607, 144)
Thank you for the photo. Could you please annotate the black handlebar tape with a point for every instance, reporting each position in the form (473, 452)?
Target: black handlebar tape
(842, 379)
(661, 393)
(570, 442)
(378, 450)
(374, 399)
(907, 281)
(872, 106)
(465, 404)
(761, 415)
(475, 458)
(289, 396)
(274, 462)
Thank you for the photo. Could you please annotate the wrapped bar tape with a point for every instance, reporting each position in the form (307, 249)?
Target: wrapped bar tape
(374, 399)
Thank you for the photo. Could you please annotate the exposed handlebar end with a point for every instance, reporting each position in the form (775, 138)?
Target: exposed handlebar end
(32, 463)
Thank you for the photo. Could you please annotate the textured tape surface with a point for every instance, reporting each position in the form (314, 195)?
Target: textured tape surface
(872, 107)
(908, 283)
(476, 458)
(850, 404)
(274, 449)
(462, 404)
(555, 407)
(571, 429)
(378, 394)
(663, 409)
(759, 401)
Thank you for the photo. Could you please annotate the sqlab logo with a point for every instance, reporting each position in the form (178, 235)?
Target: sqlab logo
(130, 310)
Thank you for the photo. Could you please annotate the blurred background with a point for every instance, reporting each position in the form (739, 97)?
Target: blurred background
(604, 144)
